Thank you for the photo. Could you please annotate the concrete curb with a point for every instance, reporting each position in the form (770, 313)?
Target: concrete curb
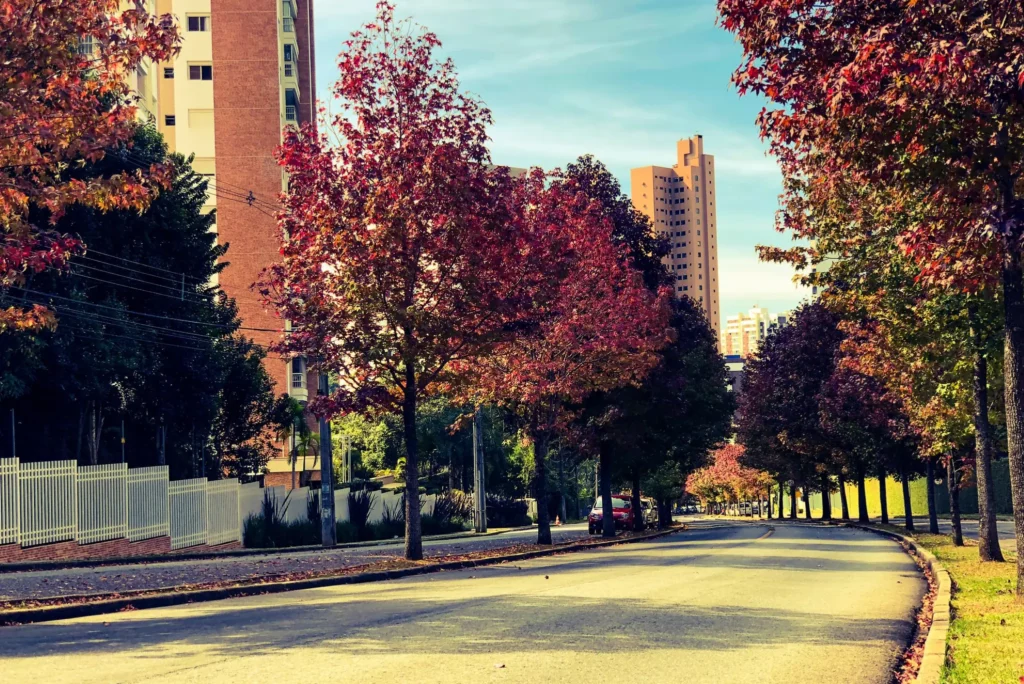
(207, 555)
(934, 656)
(66, 612)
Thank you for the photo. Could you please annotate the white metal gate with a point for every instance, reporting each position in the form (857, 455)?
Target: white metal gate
(148, 509)
(188, 512)
(10, 525)
(102, 502)
(49, 502)
(222, 511)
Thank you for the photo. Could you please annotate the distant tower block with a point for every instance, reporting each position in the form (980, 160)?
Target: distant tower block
(680, 202)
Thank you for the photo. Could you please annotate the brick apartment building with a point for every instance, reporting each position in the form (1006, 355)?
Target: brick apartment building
(244, 73)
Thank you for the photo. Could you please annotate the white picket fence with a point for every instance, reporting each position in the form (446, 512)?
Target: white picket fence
(54, 501)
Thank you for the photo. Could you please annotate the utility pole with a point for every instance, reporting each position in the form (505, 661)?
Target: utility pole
(479, 495)
(328, 533)
(122, 440)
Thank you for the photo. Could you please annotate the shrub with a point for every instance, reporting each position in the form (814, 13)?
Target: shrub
(506, 511)
(392, 521)
(359, 506)
(346, 532)
(313, 513)
(452, 508)
(257, 534)
(432, 525)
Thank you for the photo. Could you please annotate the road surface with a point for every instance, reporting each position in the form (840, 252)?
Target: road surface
(728, 603)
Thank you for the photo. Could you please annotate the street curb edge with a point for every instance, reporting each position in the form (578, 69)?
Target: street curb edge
(51, 613)
(934, 656)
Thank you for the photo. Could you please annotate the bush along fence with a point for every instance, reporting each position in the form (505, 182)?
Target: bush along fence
(58, 510)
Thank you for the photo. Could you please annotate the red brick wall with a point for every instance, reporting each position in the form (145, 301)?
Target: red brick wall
(115, 548)
(247, 120)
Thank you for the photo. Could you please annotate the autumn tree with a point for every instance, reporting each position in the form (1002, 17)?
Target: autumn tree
(636, 427)
(65, 101)
(925, 98)
(778, 416)
(597, 329)
(400, 252)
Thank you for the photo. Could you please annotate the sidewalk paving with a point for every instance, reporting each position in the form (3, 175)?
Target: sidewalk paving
(162, 575)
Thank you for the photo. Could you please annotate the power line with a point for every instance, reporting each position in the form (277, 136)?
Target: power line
(178, 287)
(176, 281)
(90, 250)
(148, 315)
(132, 287)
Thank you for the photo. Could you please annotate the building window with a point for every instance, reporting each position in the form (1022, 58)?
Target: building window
(299, 372)
(86, 46)
(200, 72)
(168, 72)
(289, 60)
(200, 23)
(169, 119)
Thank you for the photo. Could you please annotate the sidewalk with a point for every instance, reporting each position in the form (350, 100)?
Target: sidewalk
(159, 574)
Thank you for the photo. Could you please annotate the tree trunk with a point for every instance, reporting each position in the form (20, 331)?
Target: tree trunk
(607, 516)
(862, 499)
(883, 498)
(540, 483)
(1013, 366)
(842, 497)
(413, 531)
(781, 510)
(95, 432)
(807, 502)
(792, 501)
(953, 481)
(933, 513)
(638, 510)
(988, 533)
(908, 511)
(81, 432)
(826, 497)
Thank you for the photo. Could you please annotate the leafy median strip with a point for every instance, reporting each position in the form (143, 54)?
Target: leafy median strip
(36, 610)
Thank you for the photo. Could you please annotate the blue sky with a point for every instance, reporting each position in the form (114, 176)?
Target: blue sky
(621, 80)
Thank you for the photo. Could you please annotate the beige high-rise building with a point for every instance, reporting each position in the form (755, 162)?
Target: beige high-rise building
(744, 332)
(680, 201)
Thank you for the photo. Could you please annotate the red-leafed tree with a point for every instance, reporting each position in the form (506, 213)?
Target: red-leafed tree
(400, 249)
(727, 480)
(925, 99)
(597, 328)
(65, 100)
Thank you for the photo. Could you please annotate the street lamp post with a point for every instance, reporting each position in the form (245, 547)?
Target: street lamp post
(328, 533)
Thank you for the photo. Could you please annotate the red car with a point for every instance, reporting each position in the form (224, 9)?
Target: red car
(622, 510)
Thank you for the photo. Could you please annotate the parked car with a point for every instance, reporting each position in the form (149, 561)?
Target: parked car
(650, 512)
(622, 510)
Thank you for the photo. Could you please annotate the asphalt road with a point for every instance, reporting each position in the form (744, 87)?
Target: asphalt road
(162, 574)
(728, 603)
